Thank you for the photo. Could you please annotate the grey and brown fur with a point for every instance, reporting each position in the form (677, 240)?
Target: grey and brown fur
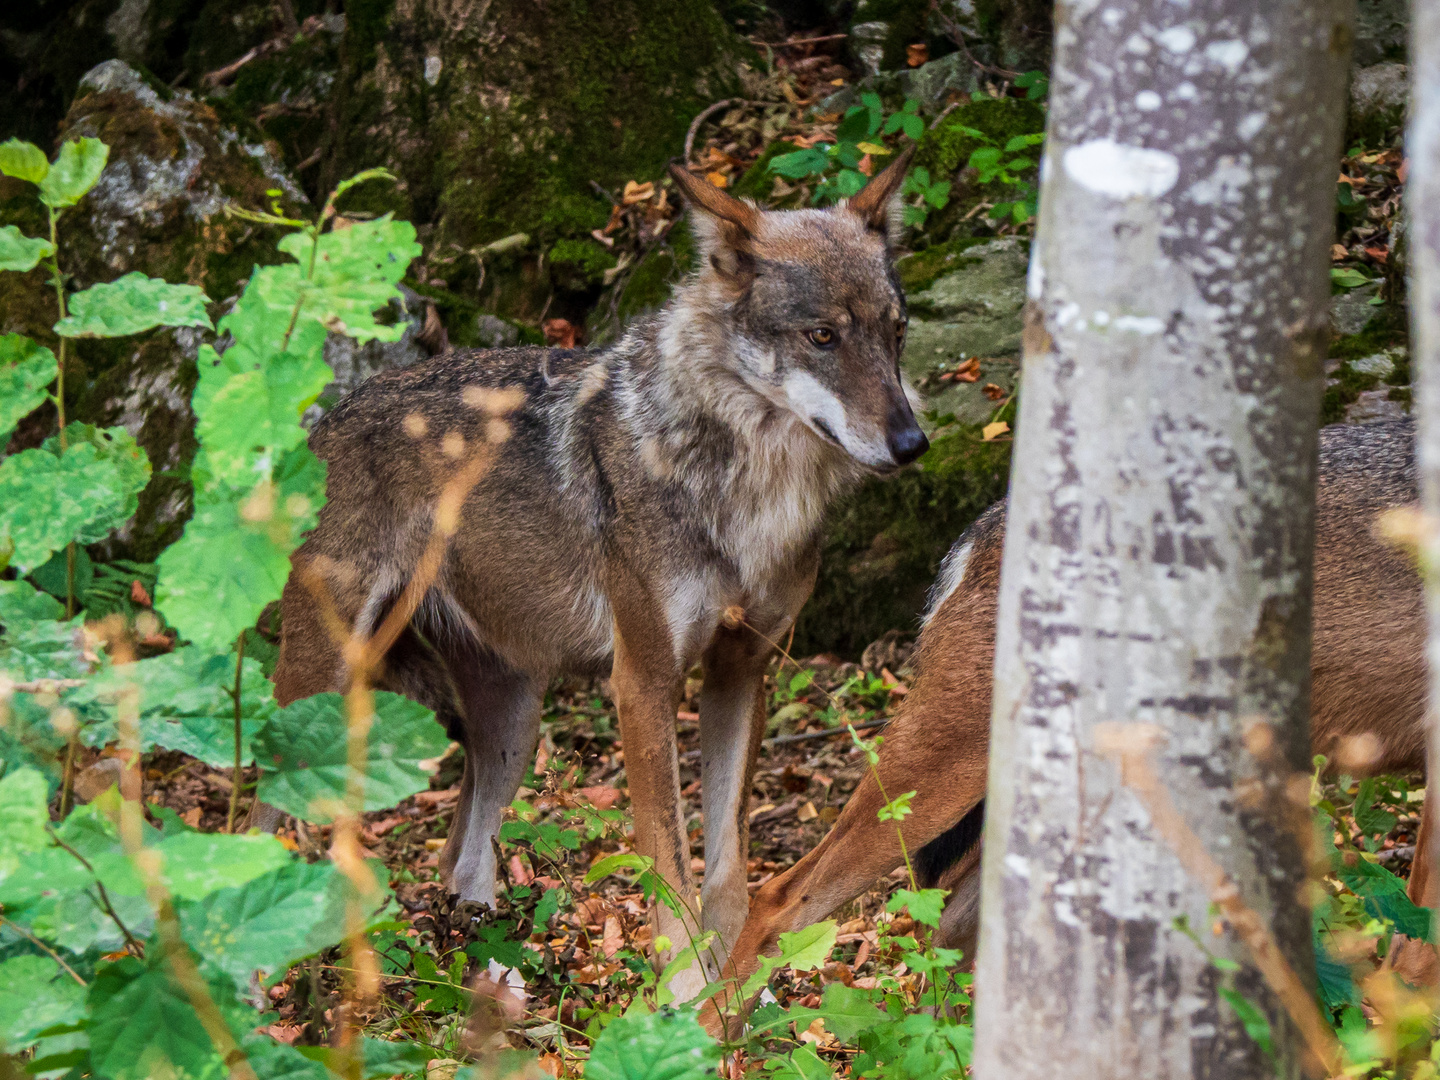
(643, 490)
(1367, 677)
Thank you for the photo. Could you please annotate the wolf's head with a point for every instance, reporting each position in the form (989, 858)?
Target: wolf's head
(814, 312)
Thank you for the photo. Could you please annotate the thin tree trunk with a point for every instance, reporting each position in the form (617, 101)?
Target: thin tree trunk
(1156, 583)
(1422, 205)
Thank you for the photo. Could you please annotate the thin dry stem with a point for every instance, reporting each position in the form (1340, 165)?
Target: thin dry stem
(1130, 745)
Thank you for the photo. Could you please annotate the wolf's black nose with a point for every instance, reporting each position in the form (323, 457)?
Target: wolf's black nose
(907, 444)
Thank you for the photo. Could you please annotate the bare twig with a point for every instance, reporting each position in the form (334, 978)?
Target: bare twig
(130, 940)
(956, 34)
(1130, 745)
(797, 41)
(804, 736)
(710, 111)
(41, 945)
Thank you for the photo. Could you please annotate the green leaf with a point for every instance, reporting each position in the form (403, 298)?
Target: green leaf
(142, 1024)
(301, 752)
(35, 994)
(802, 1064)
(269, 922)
(664, 1045)
(913, 125)
(48, 499)
(21, 602)
(23, 160)
(1255, 1022)
(234, 556)
(848, 1011)
(74, 172)
(197, 864)
(1348, 278)
(924, 906)
(21, 252)
(626, 860)
(803, 950)
(23, 818)
(248, 406)
(356, 271)
(381, 1059)
(801, 163)
(185, 702)
(131, 304)
(44, 650)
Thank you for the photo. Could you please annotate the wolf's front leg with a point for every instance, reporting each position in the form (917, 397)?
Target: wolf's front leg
(732, 723)
(646, 684)
(502, 709)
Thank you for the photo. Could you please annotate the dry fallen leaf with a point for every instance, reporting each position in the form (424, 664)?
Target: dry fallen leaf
(993, 431)
(807, 811)
(560, 332)
(993, 391)
(602, 796)
(1339, 252)
(719, 179)
(635, 193)
(917, 54)
(969, 371)
(613, 938)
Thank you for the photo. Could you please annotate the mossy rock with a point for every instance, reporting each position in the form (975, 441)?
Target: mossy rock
(579, 264)
(498, 117)
(884, 543)
(646, 287)
(158, 208)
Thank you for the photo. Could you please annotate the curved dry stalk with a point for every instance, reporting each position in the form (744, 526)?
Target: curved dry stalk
(1130, 745)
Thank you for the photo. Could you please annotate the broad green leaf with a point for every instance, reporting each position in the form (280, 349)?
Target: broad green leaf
(21, 602)
(142, 1024)
(301, 752)
(44, 650)
(234, 556)
(801, 163)
(1255, 1022)
(355, 272)
(802, 1064)
(73, 172)
(23, 818)
(123, 456)
(848, 1011)
(26, 370)
(804, 949)
(248, 406)
(1348, 278)
(131, 304)
(23, 160)
(185, 703)
(924, 906)
(664, 1045)
(197, 864)
(626, 860)
(35, 994)
(381, 1058)
(269, 922)
(21, 252)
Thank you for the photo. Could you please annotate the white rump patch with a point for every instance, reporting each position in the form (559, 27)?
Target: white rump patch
(1120, 171)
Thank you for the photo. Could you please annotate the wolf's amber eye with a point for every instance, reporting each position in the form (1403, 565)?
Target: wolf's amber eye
(822, 336)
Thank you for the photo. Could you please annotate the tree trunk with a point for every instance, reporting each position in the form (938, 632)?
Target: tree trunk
(1422, 202)
(1156, 585)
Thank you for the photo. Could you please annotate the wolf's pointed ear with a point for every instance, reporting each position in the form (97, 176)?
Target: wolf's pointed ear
(877, 203)
(724, 226)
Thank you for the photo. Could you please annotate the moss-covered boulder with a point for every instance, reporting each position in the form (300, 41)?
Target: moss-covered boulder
(500, 118)
(159, 209)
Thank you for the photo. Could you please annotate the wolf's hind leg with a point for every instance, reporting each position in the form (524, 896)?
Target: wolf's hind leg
(498, 730)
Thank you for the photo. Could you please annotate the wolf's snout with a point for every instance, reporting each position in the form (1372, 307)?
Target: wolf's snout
(907, 443)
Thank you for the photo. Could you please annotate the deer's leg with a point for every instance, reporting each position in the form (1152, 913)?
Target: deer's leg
(498, 730)
(732, 723)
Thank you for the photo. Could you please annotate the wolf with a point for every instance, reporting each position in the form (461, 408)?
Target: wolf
(1367, 671)
(653, 505)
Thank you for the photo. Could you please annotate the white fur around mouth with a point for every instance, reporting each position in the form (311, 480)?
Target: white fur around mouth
(823, 411)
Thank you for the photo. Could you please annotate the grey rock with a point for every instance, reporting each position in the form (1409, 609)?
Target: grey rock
(495, 333)
(1374, 406)
(929, 84)
(355, 362)
(1350, 311)
(972, 311)
(1378, 95)
(1382, 30)
(1381, 364)
(869, 44)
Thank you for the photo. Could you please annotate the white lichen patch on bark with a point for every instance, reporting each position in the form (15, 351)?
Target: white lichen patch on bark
(1157, 556)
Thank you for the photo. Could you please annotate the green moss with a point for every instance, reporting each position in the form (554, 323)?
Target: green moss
(584, 261)
(1386, 329)
(919, 271)
(884, 543)
(1346, 386)
(945, 149)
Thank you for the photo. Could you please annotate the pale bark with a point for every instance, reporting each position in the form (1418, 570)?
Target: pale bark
(1422, 203)
(1158, 555)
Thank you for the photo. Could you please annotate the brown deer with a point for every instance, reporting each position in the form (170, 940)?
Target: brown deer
(1368, 675)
